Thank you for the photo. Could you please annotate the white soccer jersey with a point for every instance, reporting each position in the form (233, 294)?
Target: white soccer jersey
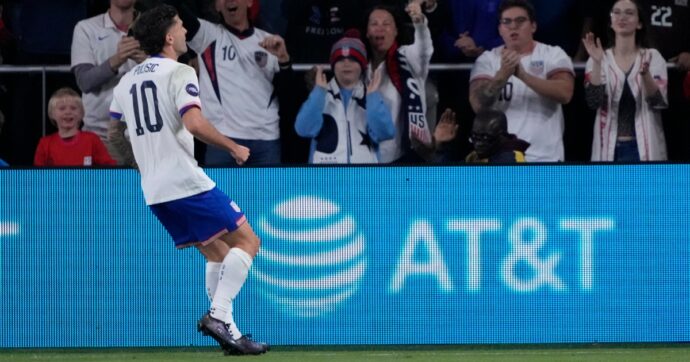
(94, 41)
(151, 99)
(532, 117)
(649, 129)
(236, 78)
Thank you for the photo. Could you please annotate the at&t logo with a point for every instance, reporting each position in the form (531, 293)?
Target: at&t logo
(312, 256)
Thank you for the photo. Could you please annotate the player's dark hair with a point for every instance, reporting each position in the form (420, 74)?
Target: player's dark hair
(524, 4)
(151, 27)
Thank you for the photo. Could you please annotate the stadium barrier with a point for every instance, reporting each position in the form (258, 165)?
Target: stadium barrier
(358, 255)
(44, 70)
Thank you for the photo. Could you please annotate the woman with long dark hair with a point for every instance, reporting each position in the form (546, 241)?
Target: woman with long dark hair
(626, 84)
(404, 69)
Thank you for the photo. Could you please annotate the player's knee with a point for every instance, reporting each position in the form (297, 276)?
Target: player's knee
(254, 243)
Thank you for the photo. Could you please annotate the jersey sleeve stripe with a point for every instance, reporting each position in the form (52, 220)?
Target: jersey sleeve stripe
(560, 70)
(115, 115)
(187, 107)
(481, 77)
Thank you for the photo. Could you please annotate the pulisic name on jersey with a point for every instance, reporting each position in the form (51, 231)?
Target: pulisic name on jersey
(145, 68)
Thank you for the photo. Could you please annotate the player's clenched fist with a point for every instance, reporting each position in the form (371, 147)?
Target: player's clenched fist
(240, 154)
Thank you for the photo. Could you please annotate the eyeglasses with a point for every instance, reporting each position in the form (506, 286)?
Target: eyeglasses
(481, 137)
(509, 21)
(630, 13)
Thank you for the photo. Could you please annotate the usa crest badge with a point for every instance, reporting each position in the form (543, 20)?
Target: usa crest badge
(536, 67)
(261, 58)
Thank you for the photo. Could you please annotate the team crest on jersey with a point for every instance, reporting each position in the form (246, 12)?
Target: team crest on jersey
(261, 58)
(192, 90)
(536, 67)
(682, 2)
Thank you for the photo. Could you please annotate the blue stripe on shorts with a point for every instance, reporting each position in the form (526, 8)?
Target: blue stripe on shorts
(199, 219)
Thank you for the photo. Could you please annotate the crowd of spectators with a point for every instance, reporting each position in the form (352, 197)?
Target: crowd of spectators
(526, 57)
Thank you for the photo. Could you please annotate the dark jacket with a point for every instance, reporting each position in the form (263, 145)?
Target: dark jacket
(511, 150)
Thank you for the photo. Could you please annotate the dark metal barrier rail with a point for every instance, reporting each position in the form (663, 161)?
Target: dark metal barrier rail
(45, 69)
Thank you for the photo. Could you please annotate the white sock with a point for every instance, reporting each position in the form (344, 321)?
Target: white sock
(232, 275)
(212, 270)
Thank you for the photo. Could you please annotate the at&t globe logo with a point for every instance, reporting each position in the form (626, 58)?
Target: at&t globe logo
(312, 257)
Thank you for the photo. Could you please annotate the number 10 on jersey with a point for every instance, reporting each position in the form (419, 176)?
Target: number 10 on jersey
(147, 98)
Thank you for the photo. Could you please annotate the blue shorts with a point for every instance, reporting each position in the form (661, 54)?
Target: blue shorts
(199, 219)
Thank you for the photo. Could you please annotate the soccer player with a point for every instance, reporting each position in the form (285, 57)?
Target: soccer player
(527, 80)
(157, 103)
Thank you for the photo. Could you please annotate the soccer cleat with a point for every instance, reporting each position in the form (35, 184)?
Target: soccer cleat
(246, 345)
(216, 329)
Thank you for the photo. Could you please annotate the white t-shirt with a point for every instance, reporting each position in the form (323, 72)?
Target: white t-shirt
(93, 42)
(151, 99)
(532, 117)
(236, 78)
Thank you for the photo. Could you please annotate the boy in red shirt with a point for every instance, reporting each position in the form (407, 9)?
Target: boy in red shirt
(70, 146)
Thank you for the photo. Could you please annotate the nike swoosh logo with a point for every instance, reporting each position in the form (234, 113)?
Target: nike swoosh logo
(103, 37)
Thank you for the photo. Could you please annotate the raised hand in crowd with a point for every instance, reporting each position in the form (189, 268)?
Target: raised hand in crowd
(275, 45)
(682, 60)
(320, 77)
(510, 60)
(646, 59)
(447, 127)
(127, 48)
(595, 51)
(593, 47)
(414, 10)
(467, 45)
(310, 78)
(650, 85)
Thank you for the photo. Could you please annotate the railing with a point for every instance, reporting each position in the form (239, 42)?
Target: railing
(45, 69)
